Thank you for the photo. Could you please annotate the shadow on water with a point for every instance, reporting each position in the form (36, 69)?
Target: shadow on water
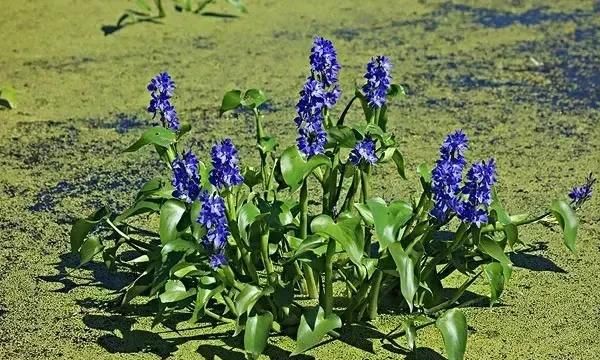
(100, 276)
(135, 18)
(122, 123)
(534, 262)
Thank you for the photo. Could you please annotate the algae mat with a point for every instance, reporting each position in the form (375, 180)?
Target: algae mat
(520, 77)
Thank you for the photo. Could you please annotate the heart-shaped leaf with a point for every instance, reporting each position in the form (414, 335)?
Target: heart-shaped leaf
(90, 248)
(231, 100)
(294, 168)
(347, 232)
(566, 217)
(256, 333)
(313, 327)
(453, 326)
(170, 214)
(157, 135)
(82, 227)
(409, 283)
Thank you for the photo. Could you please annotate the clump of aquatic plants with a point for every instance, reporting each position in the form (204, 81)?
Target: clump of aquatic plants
(266, 248)
(147, 11)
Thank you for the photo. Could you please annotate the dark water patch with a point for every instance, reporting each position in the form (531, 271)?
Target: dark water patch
(470, 81)
(74, 63)
(121, 123)
(444, 103)
(106, 182)
(494, 18)
(288, 35)
(347, 34)
(39, 142)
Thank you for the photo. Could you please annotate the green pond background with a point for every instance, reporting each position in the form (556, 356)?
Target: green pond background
(520, 77)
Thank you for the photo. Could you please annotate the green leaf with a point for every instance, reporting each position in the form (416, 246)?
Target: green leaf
(253, 98)
(170, 214)
(246, 299)
(409, 283)
(252, 176)
(142, 4)
(424, 171)
(8, 97)
(178, 245)
(184, 129)
(202, 297)
(294, 168)
(342, 136)
(393, 154)
(246, 216)
(453, 326)
(388, 220)
(365, 213)
(313, 327)
(182, 269)
(90, 248)
(395, 90)
(410, 332)
(156, 136)
(268, 144)
(313, 243)
(82, 227)
(489, 246)
(256, 333)
(175, 291)
(231, 100)
(566, 217)
(141, 207)
(347, 232)
(494, 273)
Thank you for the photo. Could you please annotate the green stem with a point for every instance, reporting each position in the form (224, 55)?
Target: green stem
(340, 121)
(374, 294)
(364, 184)
(264, 249)
(351, 192)
(329, 277)
(263, 157)
(460, 233)
(520, 219)
(159, 6)
(313, 291)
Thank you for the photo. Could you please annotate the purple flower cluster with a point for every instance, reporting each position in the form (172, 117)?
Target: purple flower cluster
(320, 91)
(312, 137)
(225, 162)
(378, 81)
(325, 68)
(161, 89)
(212, 216)
(364, 152)
(580, 194)
(186, 181)
(478, 193)
(469, 201)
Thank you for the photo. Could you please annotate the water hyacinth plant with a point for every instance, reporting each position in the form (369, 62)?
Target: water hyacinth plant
(241, 245)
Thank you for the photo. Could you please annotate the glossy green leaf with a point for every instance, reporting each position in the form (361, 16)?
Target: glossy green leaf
(156, 136)
(175, 291)
(253, 98)
(343, 136)
(409, 283)
(202, 297)
(365, 213)
(453, 326)
(182, 269)
(294, 168)
(256, 333)
(140, 207)
(396, 90)
(170, 214)
(490, 247)
(246, 216)
(178, 245)
(494, 273)
(566, 217)
(424, 171)
(313, 327)
(393, 154)
(245, 300)
(388, 220)
(347, 232)
(268, 144)
(82, 227)
(410, 333)
(231, 100)
(90, 248)
(313, 243)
